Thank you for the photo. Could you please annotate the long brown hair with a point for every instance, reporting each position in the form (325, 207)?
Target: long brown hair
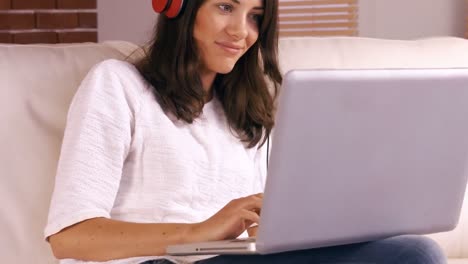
(171, 66)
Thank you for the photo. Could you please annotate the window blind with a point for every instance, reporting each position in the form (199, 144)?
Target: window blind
(318, 18)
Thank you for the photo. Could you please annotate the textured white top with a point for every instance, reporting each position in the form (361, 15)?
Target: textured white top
(123, 158)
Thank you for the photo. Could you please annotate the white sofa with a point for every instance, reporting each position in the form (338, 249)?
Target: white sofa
(37, 83)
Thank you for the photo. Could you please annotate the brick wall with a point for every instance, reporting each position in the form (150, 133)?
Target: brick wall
(48, 21)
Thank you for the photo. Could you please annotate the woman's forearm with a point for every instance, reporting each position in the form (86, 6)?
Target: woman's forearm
(102, 239)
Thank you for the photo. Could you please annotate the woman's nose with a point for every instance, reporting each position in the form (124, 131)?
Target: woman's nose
(238, 28)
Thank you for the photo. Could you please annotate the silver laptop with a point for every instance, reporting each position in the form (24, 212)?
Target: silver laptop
(360, 155)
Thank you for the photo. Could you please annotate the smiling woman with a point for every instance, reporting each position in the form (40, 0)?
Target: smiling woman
(222, 41)
(220, 51)
(171, 150)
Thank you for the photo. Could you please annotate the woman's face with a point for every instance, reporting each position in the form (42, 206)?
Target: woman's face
(224, 30)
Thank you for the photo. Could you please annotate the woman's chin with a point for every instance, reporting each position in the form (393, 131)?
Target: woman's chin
(225, 69)
(224, 66)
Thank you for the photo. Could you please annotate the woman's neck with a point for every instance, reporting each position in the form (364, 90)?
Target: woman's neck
(207, 79)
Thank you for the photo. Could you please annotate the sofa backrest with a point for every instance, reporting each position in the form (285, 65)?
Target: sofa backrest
(37, 84)
(368, 53)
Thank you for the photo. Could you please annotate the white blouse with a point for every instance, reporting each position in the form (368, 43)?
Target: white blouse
(124, 158)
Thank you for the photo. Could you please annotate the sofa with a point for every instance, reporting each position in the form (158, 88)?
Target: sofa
(37, 83)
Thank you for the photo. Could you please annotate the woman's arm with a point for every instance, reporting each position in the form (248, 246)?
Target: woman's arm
(102, 239)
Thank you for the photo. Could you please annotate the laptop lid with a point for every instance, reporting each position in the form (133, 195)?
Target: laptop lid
(359, 155)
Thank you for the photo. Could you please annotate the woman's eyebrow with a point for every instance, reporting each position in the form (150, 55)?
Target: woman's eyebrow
(255, 8)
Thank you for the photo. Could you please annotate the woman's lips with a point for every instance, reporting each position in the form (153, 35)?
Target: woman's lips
(229, 48)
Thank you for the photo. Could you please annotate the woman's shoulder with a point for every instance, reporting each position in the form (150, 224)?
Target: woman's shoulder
(113, 80)
(114, 66)
(119, 73)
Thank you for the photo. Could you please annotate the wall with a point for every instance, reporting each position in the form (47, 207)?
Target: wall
(130, 20)
(48, 21)
(397, 19)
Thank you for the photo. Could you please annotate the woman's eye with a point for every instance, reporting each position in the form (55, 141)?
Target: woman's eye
(225, 8)
(257, 18)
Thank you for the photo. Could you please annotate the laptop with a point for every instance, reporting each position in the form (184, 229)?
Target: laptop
(360, 155)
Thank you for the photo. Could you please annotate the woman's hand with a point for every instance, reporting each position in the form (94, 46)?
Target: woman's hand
(231, 221)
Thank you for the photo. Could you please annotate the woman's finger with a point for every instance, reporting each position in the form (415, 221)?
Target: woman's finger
(252, 231)
(249, 216)
(253, 203)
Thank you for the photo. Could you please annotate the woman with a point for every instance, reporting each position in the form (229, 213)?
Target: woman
(171, 150)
